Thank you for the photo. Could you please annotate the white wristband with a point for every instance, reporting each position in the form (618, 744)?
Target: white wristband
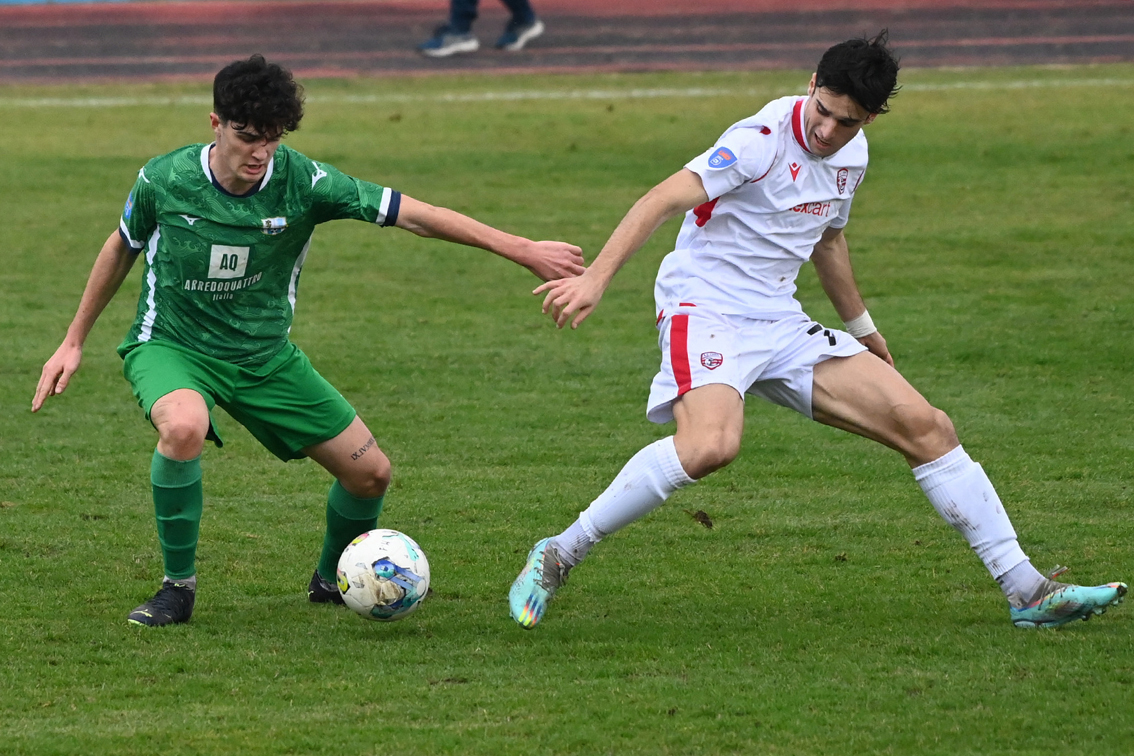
(861, 326)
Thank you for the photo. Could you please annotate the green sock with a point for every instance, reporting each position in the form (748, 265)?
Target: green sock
(347, 518)
(178, 501)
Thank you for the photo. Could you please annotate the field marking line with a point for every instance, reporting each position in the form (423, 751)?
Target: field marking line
(563, 94)
(295, 58)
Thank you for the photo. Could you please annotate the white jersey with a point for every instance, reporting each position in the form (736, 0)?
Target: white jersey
(772, 199)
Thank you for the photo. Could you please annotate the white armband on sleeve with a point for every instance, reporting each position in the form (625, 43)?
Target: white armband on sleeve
(861, 326)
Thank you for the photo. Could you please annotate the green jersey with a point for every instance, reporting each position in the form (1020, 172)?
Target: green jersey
(222, 271)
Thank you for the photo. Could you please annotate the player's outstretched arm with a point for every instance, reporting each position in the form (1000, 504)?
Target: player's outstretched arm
(678, 194)
(833, 265)
(109, 271)
(547, 259)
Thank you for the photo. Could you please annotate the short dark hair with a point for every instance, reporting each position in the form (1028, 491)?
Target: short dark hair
(864, 69)
(258, 94)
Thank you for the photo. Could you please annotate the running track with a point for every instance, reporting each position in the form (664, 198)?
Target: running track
(150, 41)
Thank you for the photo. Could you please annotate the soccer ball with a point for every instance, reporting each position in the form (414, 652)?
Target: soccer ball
(383, 575)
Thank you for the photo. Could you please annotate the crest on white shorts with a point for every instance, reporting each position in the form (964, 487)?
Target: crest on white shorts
(712, 360)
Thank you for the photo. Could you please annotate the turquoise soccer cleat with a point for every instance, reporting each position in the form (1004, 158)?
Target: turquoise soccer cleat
(1067, 603)
(536, 584)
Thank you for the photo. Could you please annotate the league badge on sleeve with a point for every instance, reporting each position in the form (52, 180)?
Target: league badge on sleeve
(129, 206)
(722, 157)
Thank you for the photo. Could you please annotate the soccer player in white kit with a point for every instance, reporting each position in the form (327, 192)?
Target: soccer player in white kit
(774, 191)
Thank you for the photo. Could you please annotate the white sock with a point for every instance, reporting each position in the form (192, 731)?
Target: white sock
(190, 582)
(1023, 584)
(573, 544)
(642, 486)
(963, 495)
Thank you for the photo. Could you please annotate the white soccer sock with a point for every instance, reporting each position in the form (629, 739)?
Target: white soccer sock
(573, 543)
(1023, 584)
(963, 495)
(191, 582)
(642, 486)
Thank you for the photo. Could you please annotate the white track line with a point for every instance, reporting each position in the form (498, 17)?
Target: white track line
(564, 94)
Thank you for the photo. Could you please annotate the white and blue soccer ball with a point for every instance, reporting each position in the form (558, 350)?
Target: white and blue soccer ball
(383, 575)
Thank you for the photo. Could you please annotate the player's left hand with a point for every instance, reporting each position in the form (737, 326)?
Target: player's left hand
(877, 346)
(552, 260)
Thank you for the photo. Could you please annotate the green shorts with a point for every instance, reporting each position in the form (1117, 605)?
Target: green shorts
(285, 403)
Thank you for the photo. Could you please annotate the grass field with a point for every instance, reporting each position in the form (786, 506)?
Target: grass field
(829, 610)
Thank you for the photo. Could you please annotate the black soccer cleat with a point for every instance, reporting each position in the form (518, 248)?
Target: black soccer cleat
(171, 605)
(319, 591)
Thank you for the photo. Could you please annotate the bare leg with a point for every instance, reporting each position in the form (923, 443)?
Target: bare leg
(864, 395)
(362, 475)
(710, 423)
(355, 460)
(182, 421)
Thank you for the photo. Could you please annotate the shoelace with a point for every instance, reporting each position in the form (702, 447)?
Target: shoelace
(545, 580)
(171, 597)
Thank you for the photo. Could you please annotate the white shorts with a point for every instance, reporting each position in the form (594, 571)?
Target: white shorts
(772, 359)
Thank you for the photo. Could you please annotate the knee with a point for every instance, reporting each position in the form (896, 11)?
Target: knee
(369, 482)
(927, 432)
(182, 436)
(707, 451)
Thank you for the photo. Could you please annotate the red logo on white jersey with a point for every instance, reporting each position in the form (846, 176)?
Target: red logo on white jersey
(841, 179)
(794, 168)
(822, 209)
(712, 360)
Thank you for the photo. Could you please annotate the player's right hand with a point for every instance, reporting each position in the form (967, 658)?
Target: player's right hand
(57, 373)
(571, 296)
(877, 345)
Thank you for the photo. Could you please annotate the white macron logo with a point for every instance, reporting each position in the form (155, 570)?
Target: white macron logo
(319, 173)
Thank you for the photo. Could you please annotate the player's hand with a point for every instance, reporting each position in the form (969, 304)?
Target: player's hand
(57, 373)
(551, 260)
(571, 296)
(877, 346)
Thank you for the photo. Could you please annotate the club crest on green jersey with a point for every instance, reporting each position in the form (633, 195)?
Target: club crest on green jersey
(273, 226)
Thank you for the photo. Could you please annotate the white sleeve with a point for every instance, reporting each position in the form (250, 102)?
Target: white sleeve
(843, 218)
(738, 157)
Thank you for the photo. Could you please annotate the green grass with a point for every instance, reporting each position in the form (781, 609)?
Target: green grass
(828, 611)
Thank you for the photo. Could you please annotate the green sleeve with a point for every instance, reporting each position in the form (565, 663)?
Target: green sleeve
(339, 196)
(139, 217)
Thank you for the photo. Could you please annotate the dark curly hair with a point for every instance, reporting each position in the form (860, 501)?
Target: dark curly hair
(863, 69)
(258, 94)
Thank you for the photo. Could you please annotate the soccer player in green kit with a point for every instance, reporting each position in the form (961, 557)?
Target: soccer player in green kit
(225, 229)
